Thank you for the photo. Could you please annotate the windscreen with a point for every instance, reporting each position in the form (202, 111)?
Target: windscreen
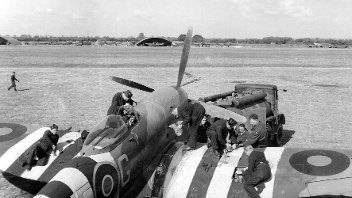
(106, 132)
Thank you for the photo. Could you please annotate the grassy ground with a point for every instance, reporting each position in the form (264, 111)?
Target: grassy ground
(80, 97)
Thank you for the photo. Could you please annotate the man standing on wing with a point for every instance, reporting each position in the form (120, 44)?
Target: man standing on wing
(191, 115)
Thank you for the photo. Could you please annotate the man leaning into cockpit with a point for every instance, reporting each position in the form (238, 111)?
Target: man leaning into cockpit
(120, 99)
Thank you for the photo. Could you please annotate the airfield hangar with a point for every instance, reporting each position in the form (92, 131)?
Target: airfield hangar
(154, 41)
(6, 40)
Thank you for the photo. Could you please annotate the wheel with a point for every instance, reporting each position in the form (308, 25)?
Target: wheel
(271, 139)
(278, 135)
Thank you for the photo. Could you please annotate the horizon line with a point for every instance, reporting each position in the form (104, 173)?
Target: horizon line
(178, 36)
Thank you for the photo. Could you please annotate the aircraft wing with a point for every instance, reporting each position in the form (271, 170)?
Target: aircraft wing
(215, 111)
(11, 133)
(296, 172)
(16, 139)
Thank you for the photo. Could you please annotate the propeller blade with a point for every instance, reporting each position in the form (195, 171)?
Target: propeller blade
(219, 112)
(132, 84)
(192, 81)
(184, 57)
(189, 75)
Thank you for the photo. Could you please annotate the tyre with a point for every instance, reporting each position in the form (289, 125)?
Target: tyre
(277, 140)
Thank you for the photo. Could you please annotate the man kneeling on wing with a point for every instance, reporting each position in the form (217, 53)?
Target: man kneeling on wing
(42, 148)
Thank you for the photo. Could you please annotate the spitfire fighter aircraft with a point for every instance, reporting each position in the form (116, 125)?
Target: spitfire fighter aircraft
(145, 159)
(115, 159)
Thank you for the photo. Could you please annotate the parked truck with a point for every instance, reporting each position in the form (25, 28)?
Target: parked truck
(260, 99)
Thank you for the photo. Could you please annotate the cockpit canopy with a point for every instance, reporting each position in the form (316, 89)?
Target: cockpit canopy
(111, 130)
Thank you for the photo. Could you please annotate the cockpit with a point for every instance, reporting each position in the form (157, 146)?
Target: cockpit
(111, 130)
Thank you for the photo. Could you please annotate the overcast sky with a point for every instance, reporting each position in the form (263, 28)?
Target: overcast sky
(209, 18)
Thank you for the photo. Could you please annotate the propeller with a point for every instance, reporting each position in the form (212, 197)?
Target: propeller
(189, 75)
(184, 57)
(192, 81)
(215, 111)
(183, 63)
(131, 83)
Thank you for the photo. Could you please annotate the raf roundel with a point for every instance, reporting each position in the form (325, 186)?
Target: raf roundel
(319, 162)
(106, 181)
(9, 131)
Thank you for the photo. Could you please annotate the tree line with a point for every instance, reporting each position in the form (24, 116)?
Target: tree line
(38, 38)
(268, 40)
(196, 38)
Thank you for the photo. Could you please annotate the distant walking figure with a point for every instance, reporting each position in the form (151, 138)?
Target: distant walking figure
(13, 82)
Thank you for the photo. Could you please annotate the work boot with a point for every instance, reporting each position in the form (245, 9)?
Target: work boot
(28, 167)
(260, 187)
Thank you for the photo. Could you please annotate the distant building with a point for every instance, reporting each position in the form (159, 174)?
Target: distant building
(6, 40)
(154, 41)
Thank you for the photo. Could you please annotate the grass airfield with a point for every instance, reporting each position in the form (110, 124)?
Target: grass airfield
(316, 106)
